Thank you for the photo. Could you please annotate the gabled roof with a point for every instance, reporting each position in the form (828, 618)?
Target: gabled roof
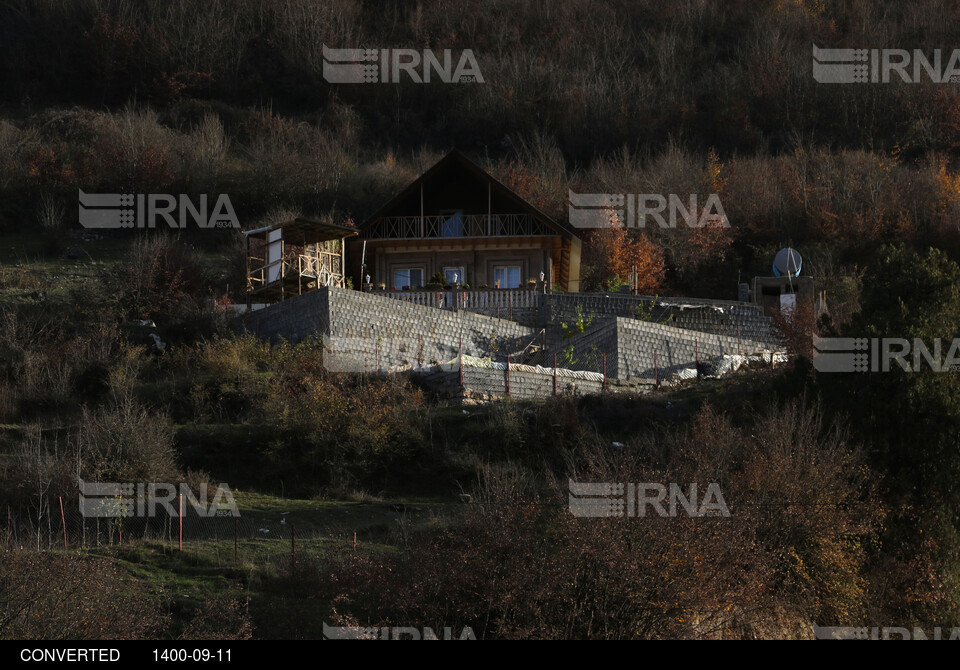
(455, 157)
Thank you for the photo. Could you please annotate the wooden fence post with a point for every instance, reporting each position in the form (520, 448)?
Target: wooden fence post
(63, 520)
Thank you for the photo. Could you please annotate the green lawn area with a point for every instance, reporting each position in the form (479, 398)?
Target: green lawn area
(263, 571)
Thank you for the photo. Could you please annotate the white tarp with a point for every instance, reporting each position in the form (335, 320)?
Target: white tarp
(486, 363)
(683, 306)
(733, 362)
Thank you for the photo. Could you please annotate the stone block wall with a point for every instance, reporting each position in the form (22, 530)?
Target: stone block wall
(645, 348)
(481, 383)
(365, 332)
(722, 317)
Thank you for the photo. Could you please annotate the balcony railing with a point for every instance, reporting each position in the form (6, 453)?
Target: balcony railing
(500, 302)
(465, 225)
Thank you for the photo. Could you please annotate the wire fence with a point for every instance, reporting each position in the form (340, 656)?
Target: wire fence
(258, 529)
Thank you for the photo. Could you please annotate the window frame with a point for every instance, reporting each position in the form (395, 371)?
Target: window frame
(506, 268)
(461, 271)
(408, 269)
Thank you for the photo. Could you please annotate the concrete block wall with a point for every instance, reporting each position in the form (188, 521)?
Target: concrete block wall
(481, 383)
(589, 347)
(748, 318)
(365, 332)
(675, 348)
(293, 320)
(525, 316)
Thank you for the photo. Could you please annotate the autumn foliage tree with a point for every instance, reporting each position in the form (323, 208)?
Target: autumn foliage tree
(611, 254)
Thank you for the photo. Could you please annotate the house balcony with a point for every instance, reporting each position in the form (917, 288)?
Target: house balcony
(462, 225)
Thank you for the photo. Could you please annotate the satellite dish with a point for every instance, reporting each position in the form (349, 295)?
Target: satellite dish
(787, 262)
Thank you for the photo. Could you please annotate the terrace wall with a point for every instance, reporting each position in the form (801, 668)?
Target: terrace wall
(365, 332)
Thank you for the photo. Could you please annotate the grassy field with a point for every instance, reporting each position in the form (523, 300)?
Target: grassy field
(264, 570)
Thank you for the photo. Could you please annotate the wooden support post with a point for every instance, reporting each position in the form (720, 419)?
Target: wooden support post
(508, 374)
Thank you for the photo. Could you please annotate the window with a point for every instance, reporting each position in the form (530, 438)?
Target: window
(453, 225)
(412, 277)
(506, 276)
(454, 275)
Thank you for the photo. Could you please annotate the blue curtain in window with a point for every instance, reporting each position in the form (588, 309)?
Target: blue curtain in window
(509, 277)
(453, 227)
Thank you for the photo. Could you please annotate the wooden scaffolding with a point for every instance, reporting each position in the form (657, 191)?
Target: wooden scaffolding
(288, 259)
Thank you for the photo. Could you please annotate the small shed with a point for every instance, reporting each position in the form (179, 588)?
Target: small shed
(288, 259)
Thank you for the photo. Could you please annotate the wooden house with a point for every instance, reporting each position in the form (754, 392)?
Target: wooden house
(459, 221)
